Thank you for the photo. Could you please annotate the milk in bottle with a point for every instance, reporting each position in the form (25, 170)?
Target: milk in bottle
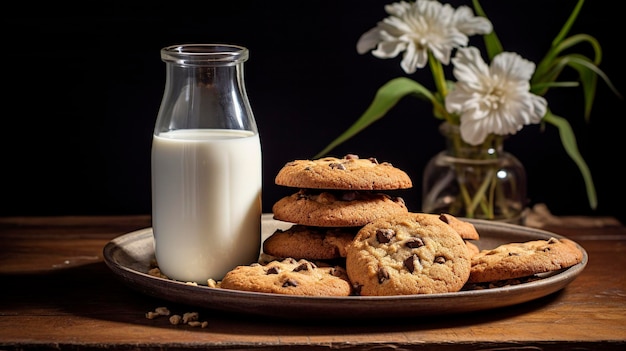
(206, 166)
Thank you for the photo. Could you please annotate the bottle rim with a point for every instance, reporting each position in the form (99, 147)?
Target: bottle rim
(204, 54)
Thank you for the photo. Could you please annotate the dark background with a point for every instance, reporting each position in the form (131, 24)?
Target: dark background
(83, 86)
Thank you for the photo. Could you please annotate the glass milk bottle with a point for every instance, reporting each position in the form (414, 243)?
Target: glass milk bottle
(206, 165)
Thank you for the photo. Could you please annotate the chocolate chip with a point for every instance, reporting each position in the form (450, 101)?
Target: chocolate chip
(349, 195)
(444, 218)
(273, 270)
(373, 160)
(351, 157)
(412, 262)
(290, 282)
(337, 272)
(440, 259)
(383, 275)
(513, 254)
(414, 243)
(304, 266)
(399, 200)
(384, 235)
(336, 165)
(553, 241)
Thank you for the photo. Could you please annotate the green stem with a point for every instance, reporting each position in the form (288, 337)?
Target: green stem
(439, 79)
(438, 75)
(484, 197)
(469, 210)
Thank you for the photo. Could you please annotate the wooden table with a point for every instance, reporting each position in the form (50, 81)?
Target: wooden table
(57, 293)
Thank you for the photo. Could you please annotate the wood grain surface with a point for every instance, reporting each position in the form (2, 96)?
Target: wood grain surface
(57, 293)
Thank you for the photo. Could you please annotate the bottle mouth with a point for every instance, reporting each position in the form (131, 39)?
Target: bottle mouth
(204, 54)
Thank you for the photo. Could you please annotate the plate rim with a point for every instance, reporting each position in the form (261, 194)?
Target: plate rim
(145, 283)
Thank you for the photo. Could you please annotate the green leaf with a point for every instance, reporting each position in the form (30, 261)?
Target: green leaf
(551, 65)
(386, 98)
(568, 24)
(551, 59)
(581, 39)
(538, 87)
(560, 42)
(589, 81)
(588, 74)
(569, 144)
(549, 74)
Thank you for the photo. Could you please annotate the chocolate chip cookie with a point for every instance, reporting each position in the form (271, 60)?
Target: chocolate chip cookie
(515, 260)
(324, 208)
(407, 254)
(310, 243)
(289, 277)
(347, 173)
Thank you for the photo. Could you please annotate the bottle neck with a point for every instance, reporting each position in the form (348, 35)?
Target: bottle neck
(205, 89)
(225, 78)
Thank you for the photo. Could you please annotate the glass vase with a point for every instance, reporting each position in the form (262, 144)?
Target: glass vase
(474, 181)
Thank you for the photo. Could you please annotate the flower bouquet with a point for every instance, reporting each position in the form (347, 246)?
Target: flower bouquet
(486, 102)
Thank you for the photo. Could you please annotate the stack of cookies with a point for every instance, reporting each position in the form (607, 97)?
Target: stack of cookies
(335, 197)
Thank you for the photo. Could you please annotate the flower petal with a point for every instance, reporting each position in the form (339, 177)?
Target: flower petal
(469, 67)
(398, 9)
(493, 99)
(389, 49)
(368, 40)
(468, 24)
(413, 58)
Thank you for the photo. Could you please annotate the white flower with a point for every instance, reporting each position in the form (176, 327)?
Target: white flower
(419, 27)
(493, 99)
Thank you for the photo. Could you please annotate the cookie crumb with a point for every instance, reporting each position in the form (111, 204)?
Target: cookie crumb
(175, 319)
(163, 311)
(190, 317)
(156, 272)
(152, 315)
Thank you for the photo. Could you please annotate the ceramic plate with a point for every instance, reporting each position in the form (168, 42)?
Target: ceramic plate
(129, 256)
